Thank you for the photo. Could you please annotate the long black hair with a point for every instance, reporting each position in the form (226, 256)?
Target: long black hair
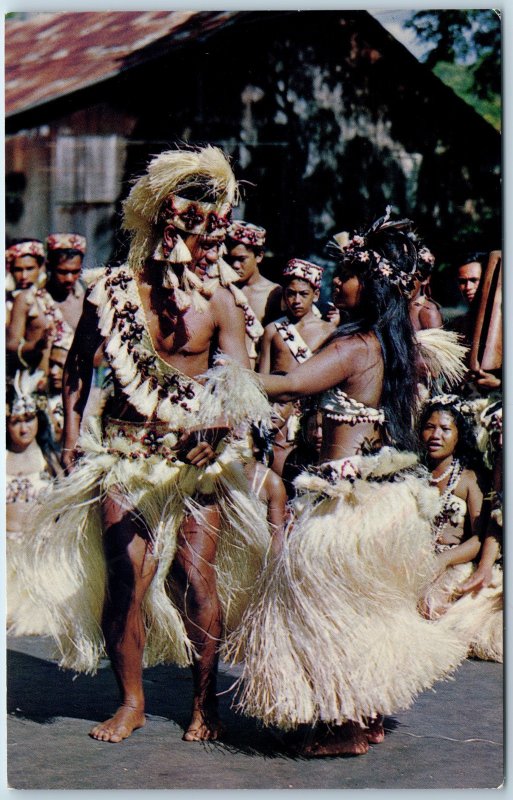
(466, 450)
(385, 261)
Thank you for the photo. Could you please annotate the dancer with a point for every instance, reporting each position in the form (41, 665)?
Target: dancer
(31, 463)
(452, 456)
(333, 638)
(155, 538)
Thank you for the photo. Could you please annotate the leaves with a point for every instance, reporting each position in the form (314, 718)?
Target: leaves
(469, 41)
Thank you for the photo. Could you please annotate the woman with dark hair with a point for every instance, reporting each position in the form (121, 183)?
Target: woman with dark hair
(337, 613)
(31, 463)
(449, 442)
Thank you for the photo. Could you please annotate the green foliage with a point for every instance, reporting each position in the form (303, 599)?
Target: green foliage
(470, 41)
(461, 80)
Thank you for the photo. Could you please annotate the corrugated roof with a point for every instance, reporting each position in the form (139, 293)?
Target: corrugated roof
(53, 54)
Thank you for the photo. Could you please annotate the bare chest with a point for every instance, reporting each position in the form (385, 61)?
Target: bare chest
(257, 299)
(182, 340)
(71, 309)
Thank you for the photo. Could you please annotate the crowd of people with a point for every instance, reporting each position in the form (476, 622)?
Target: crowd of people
(205, 463)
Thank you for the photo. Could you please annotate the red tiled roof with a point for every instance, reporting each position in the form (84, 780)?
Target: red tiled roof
(52, 54)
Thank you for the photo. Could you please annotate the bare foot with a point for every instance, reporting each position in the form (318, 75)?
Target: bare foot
(120, 726)
(202, 727)
(342, 740)
(375, 731)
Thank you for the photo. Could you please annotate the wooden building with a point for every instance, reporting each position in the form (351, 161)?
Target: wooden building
(327, 118)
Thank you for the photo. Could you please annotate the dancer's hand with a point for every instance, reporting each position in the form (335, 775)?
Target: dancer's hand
(199, 447)
(487, 379)
(69, 457)
(480, 579)
(332, 315)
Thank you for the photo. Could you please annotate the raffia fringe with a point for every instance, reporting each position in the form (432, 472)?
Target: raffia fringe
(334, 632)
(478, 616)
(63, 566)
(443, 355)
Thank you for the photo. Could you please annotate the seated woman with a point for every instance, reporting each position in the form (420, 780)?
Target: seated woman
(31, 463)
(336, 613)
(451, 453)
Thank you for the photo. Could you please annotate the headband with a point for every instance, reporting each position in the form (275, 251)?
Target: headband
(66, 241)
(247, 233)
(305, 271)
(30, 248)
(195, 216)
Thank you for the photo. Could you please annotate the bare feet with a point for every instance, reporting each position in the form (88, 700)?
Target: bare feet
(375, 731)
(202, 727)
(120, 726)
(341, 740)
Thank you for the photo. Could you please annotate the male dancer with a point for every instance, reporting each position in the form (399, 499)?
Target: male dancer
(156, 504)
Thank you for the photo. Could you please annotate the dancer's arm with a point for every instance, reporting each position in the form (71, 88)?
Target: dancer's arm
(264, 360)
(199, 447)
(77, 377)
(231, 327)
(324, 370)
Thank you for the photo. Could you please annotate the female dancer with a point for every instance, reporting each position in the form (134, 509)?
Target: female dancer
(334, 636)
(451, 453)
(31, 463)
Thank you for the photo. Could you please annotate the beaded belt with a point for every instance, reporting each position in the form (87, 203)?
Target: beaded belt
(141, 439)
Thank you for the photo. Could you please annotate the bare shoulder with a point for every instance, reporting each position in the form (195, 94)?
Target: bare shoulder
(469, 476)
(356, 345)
(430, 315)
(468, 482)
(222, 302)
(273, 482)
(270, 329)
(222, 298)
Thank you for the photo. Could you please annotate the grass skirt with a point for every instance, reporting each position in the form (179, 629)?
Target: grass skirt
(480, 614)
(334, 633)
(31, 620)
(63, 566)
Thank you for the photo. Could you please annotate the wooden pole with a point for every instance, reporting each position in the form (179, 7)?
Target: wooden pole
(486, 352)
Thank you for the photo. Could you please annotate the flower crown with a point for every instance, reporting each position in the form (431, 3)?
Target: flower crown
(466, 407)
(27, 398)
(357, 252)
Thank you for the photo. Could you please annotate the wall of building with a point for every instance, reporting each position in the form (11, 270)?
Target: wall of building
(326, 117)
